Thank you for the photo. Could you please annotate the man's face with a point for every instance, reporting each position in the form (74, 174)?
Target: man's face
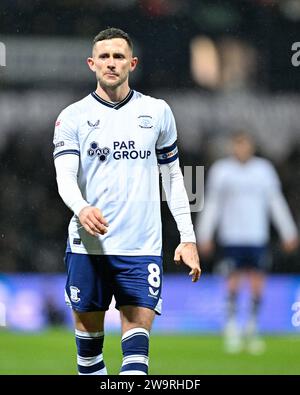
(112, 62)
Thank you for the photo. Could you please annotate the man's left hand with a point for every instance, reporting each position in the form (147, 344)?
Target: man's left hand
(187, 253)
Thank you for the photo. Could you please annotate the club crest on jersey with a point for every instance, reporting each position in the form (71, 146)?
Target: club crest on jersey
(96, 151)
(94, 125)
(74, 291)
(145, 121)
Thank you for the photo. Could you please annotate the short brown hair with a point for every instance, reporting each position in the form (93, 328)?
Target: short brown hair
(113, 32)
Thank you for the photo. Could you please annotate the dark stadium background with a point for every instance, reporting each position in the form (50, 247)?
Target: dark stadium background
(255, 86)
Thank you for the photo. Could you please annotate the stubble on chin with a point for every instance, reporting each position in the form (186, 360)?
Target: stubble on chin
(110, 84)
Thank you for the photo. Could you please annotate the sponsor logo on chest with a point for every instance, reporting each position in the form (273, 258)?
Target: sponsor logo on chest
(119, 150)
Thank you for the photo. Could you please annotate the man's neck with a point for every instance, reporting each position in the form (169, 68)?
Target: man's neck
(113, 95)
(243, 160)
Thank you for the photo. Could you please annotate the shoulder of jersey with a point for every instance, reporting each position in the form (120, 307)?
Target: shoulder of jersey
(79, 106)
(222, 167)
(263, 162)
(153, 101)
(222, 163)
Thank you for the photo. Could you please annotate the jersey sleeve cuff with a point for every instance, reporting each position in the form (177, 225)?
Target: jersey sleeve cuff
(191, 238)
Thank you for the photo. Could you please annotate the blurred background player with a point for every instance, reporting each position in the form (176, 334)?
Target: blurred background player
(118, 131)
(243, 193)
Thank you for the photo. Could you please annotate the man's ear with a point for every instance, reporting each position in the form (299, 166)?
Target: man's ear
(133, 63)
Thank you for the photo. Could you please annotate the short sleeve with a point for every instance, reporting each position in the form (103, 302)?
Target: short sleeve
(166, 145)
(65, 135)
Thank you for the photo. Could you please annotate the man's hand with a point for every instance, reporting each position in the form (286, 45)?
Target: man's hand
(93, 221)
(187, 253)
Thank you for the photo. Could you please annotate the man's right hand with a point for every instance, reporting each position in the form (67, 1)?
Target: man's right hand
(93, 221)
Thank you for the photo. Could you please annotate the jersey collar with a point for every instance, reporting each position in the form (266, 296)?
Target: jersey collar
(115, 106)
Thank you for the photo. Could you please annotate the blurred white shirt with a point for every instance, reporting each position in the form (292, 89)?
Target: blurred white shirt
(241, 200)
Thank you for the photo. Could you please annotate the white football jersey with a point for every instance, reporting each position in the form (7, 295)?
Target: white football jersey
(240, 201)
(120, 146)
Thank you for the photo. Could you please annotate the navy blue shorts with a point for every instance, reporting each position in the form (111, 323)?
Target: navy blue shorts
(92, 281)
(246, 257)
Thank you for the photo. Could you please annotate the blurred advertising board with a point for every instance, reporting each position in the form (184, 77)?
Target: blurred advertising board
(32, 302)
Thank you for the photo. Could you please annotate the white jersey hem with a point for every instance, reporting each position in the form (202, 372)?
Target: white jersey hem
(116, 252)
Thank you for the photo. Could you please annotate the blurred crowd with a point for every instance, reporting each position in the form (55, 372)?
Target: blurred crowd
(164, 30)
(33, 219)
